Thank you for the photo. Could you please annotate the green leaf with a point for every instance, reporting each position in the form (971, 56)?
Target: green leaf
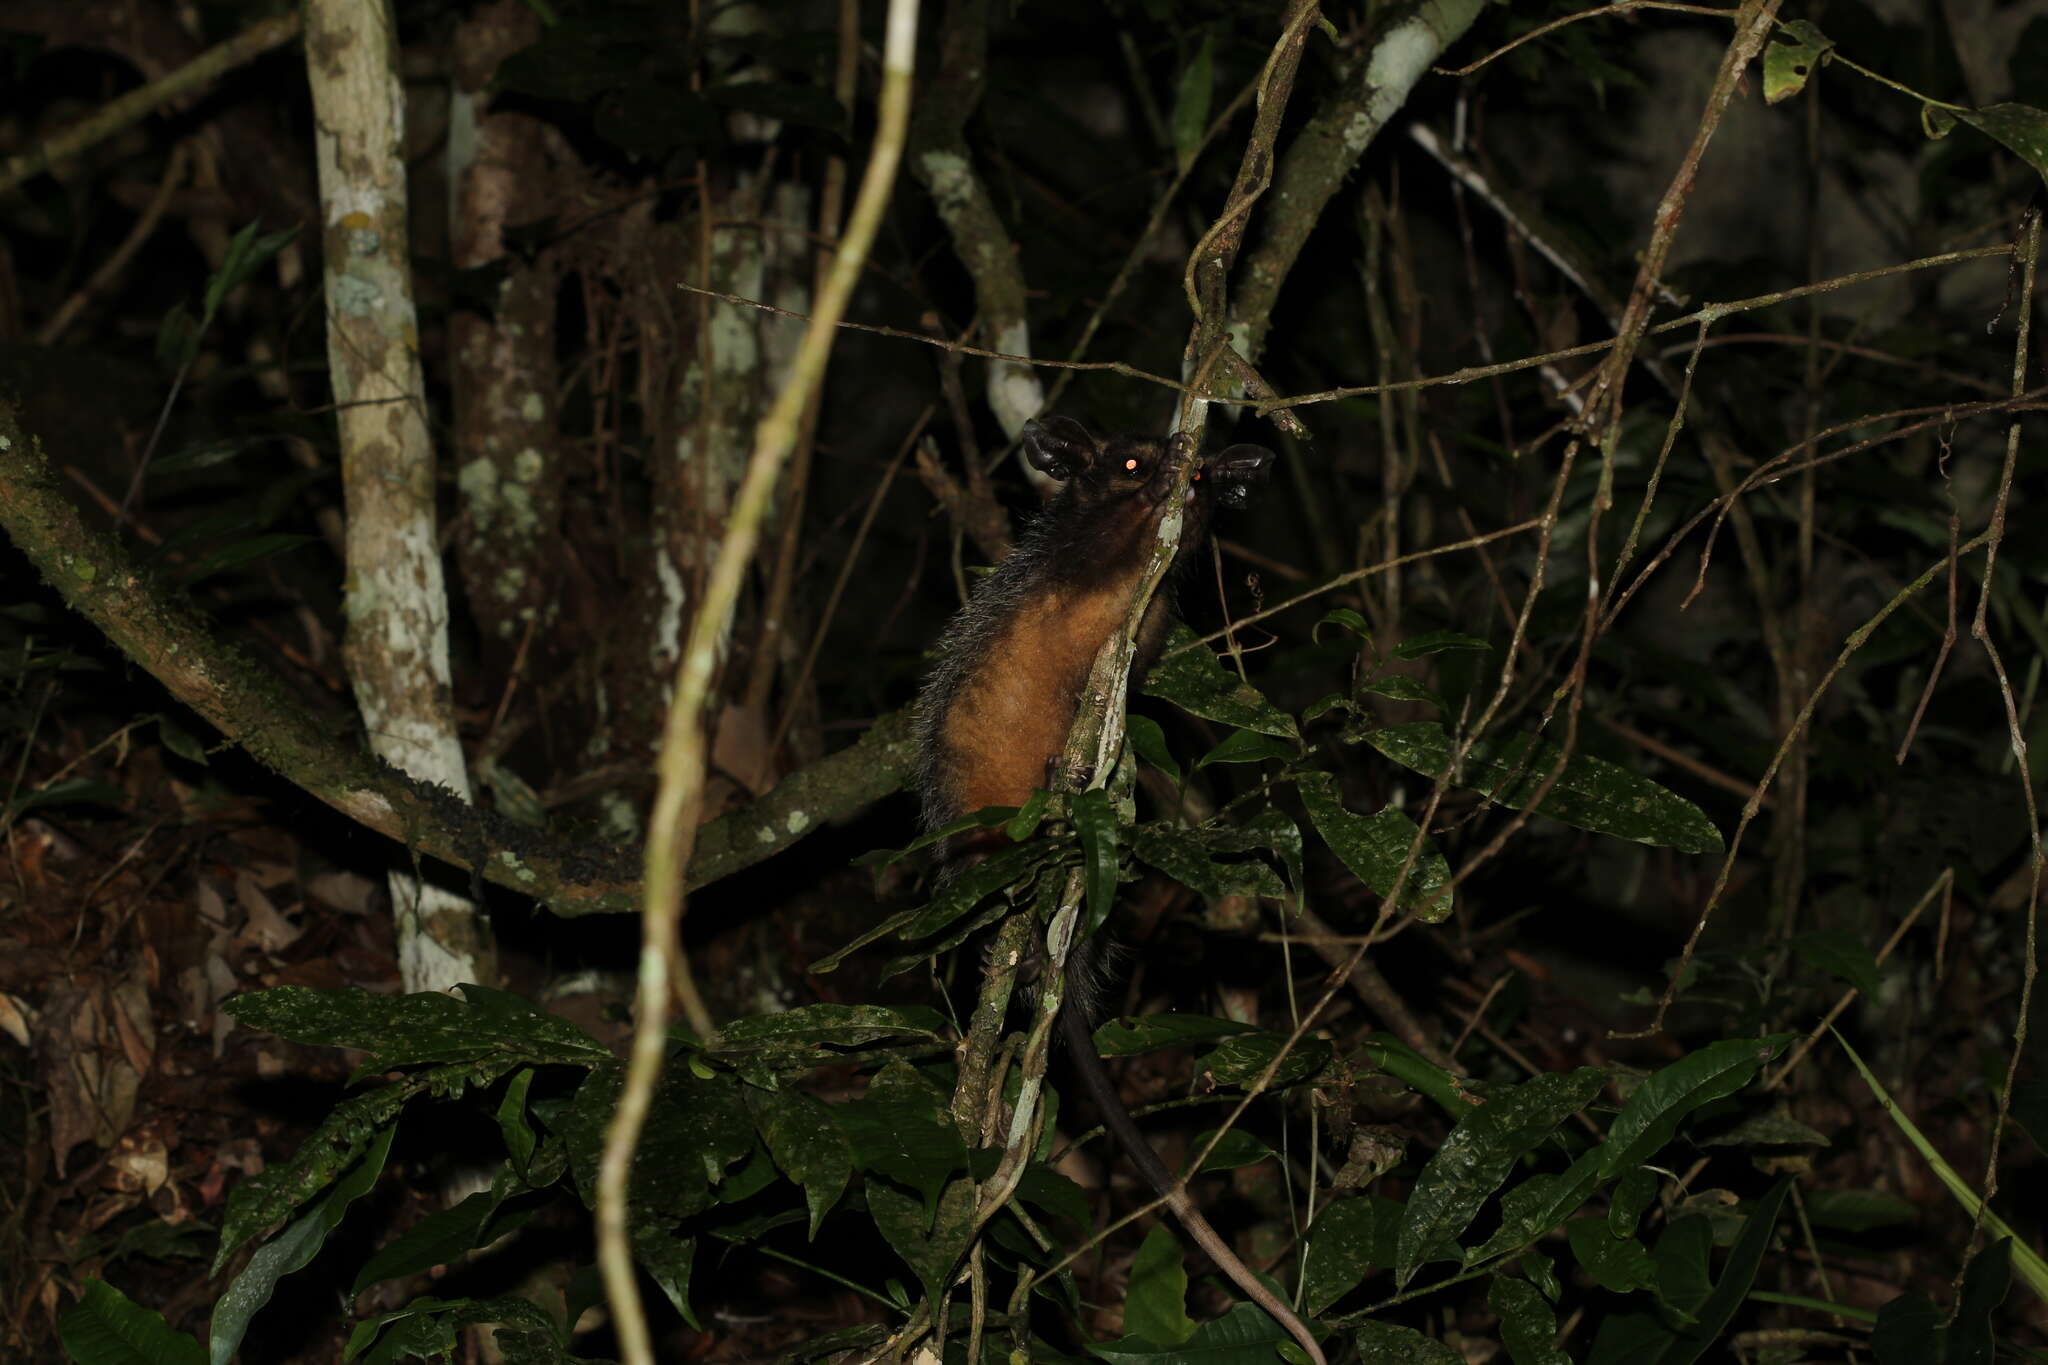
(1191, 100)
(1028, 818)
(1196, 681)
(1128, 1037)
(440, 1238)
(247, 253)
(650, 119)
(1244, 1334)
(1233, 1151)
(1632, 1194)
(350, 1129)
(1385, 1343)
(1769, 1129)
(1970, 1336)
(1682, 1256)
(841, 1026)
(806, 1144)
(1241, 1060)
(159, 1240)
(1322, 706)
(424, 1028)
(520, 1139)
(69, 791)
(1539, 1204)
(1840, 953)
(1436, 642)
(696, 1131)
(1350, 1237)
(930, 1240)
(1401, 687)
(1528, 1327)
(1148, 742)
(290, 1250)
(1909, 1331)
(1789, 62)
(1046, 1188)
(1590, 793)
(1479, 1153)
(1095, 826)
(1404, 1064)
(1737, 1274)
(1344, 618)
(1156, 1303)
(105, 1327)
(667, 1258)
(2022, 129)
(1651, 1115)
(1187, 856)
(430, 1327)
(992, 874)
(1619, 1264)
(903, 1134)
(1374, 848)
(1859, 1211)
(1247, 746)
(180, 741)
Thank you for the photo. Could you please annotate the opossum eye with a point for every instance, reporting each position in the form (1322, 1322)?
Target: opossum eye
(1131, 465)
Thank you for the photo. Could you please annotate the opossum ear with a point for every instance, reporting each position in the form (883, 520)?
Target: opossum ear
(1240, 464)
(1060, 447)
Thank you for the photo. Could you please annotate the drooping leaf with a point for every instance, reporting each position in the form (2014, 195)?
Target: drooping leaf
(1375, 847)
(1350, 1238)
(1242, 1059)
(1528, 1327)
(1156, 1304)
(1128, 1037)
(349, 1131)
(1095, 826)
(1539, 1204)
(1479, 1153)
(2021, 128)
(424, 1028)
(1191, 677)
(806, 1144)
(1386, 1343)
(290, 1250)
(899, 1132)
(1148, 741)
(1194, 857)
(1619, 1265)
(1590, 793)
(106, 1327)
(1788, 62)
(1436, 642)
(929, 1234)
(1840, 953)
(1650, 1115)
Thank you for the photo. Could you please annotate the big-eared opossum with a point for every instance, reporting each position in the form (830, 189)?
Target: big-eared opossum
(994, 714)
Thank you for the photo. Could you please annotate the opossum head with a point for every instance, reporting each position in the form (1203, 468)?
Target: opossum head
(1125, 469)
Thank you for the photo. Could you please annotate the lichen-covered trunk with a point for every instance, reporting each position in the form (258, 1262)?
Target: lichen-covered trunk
(396, 645)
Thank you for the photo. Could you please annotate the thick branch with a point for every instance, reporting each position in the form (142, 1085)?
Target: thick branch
(1329, 146)
(154, 626)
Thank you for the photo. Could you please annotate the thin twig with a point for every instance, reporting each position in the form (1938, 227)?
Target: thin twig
(672, 825)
